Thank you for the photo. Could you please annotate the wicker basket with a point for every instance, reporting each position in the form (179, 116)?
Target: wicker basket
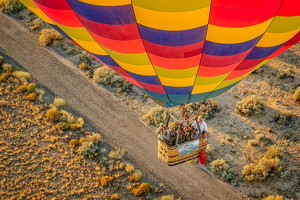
(169, 154)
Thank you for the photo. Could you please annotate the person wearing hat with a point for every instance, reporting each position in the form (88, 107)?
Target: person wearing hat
(202, 125)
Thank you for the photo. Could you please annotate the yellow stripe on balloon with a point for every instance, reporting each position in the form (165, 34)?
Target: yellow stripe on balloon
(172, 21)
(36, 10)
(145, 70)
(132, 59)
(176, 82)
(204, 88)
(200, 80)
(274, 39)
(107, 2)
(282, 24)
(176, 73)
(225, 35)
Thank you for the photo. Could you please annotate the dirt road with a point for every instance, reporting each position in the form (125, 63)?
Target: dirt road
(118, 123)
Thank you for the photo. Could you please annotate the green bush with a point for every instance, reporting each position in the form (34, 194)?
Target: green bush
(222, 168)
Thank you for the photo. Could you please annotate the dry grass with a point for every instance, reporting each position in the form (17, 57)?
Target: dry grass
(48, 36)
(250, 105)
(296, 95)
(269, 162)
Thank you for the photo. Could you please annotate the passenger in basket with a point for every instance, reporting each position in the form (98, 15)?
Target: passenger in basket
(203, 128)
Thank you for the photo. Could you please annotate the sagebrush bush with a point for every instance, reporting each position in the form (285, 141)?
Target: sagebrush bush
(114, 196)
(62, 126)
(31, 97)
(73, 142)
(30, 87)
(167, 197)
(47, 36)
(296, 95)
(22, 88)
(41, 94)
(283, 117)
(136, 176)
(83, 66)
(107, 76)
(143, 188)
(207, 113)
(11, 6)
(117, 153)
(250, 105)
(7, 67)
(283, 73)
(68, 117)
(146, 187)
(90, 145)
(272, 197)
(59, 102)
(52, 113)
(269, 162)
(79, 124)
(105, 180)
(23, 76)
(222, 168)
(129, 168)
(137, 192)
(155, 116)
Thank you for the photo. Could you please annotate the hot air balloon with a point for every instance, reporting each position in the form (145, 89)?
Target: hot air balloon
(176, 51)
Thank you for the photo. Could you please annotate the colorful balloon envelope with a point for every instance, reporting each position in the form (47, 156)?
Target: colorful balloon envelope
(177, 51)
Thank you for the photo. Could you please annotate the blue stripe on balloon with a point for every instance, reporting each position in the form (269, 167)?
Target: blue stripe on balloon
(157, 96)
(173, 38)
(261, 52)
(106, 59)
(114, 15)
(61, 31)
(146, 79)
(179, 98)
(218, 49)
(178, 90)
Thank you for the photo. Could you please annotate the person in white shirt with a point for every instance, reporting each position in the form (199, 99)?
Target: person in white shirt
(203, 127)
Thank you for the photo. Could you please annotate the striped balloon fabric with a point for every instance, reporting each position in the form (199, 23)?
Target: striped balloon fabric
(177, 51)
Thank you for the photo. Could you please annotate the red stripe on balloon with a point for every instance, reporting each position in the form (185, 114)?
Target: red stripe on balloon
(216, 71)
(115, 32)
(289, 8)
(287, 45)
(153, 88)
(221, 61)
(172, 51)
(63, 17)
(122, 46)
(240, 4)
(55, 4)
(234, 18)
(174, 63)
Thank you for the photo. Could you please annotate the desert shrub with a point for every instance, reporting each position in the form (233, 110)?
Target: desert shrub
(30, 87)
(283, 117)
(81, 140)
(155, 116)
(47, 36)
(23, 76)
(11, 6)
(37, 23)
(117, 153)
(52, 113)
(107, 76)
(222, 168)
(259, 137)
(31, 97)
(285, 174)
(73, 142)
(105, 180)
(252, 142)
(85, 57)
(146, 187)
(62, 126)
(283, 73)
(3, 102)
(1, 60)
(136, 176)
(90, 145)
(22, 88)
(7, 67)
(114, 197)
(209, 113)
(137, 192)
(79, 124)
(83, 66)
(129, 168)
(59, 102)
(68, 117)
(41, 94)
(269, 162)
(296, 95)
(250, 105)
(272, 197)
